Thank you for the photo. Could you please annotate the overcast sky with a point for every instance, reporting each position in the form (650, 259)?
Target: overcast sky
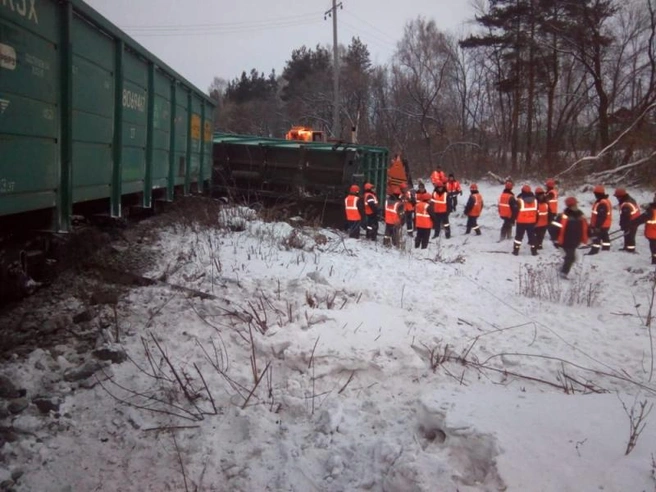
(201, 39)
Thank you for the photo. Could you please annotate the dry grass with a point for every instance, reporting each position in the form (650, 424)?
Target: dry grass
(542, 282)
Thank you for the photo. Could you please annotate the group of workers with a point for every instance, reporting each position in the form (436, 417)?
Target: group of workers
(536, 213)
(532, 213)
(419, 210)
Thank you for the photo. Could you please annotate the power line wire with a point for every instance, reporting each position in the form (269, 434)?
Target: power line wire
(220, 31)
(227, 25)
(378, 41)
(367, 23)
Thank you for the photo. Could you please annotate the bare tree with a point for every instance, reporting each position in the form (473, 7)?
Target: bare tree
(422, 64)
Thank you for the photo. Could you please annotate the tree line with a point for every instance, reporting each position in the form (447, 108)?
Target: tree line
(538, 87)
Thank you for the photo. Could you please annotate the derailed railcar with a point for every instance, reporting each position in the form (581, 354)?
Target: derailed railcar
(89, 115)
(307, 174)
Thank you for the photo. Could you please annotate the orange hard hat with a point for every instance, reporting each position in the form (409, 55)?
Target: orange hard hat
(473, 187)
(368, 186)
(571, 201)
(354, 189)
(526, 189)
(620, 192)
(550, 183)
(599, 189)
(404, 186)
(509, 185)
(539, 191)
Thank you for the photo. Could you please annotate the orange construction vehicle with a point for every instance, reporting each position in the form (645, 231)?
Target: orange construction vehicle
(304, 134)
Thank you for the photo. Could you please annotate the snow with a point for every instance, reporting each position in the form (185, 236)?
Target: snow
(347, 339)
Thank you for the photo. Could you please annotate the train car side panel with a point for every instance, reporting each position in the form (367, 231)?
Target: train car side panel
(29, 107)
(135, 122)
(93, 111)
(161, 130)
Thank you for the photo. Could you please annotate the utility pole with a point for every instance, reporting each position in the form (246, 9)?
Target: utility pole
(333, 13)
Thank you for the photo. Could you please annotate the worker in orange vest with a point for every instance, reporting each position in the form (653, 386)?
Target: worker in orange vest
(371, 211)
(568, 231)
(600, 221)
(439, 199)
(393, 217)
(543, 217)
(527, 217)
(354, 208)
(423, 219)
(473, 210)
(507, 210)
(453, 189)
(410, 201)
(649, 219)
(552, 198)
(438, 175)
(628, 211)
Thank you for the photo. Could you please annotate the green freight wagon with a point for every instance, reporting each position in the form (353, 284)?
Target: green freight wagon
(316, 174)
(89, 115)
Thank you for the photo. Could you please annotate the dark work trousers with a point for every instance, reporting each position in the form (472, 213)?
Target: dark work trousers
(422, 237)
(353, 228)
(629, 239)
(652, 248)
(439, 221)
(452, 202)
(570, 257)
(506, 229)
(372, 227)
(472, 225)
(539, 236)
(410, 220)
(529, 229)
(600, 242)
(392, 234)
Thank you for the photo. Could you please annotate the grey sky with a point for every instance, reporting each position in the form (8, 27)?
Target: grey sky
(243, 34)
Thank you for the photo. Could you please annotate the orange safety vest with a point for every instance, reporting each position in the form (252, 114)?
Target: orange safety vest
(650, 226)
(504, 205)
(593, 217)
(553, 201)
(478, 206)
(563, 226)
(409, 207)
(422, 217)
(453, 186)
(351, 206)
(438, 176)
(543, 214)
(367, 208)
(439, 202)
(527, 213)
(392, 213)
(635, 211)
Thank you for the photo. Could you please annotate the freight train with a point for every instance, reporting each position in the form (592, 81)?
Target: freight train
(312, 176)
(89, 115)
(93, 123)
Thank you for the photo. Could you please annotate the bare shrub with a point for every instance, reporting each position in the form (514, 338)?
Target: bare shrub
(542, 282)
(637, 420)
(177, 390)
(235, 218)
(294, 240)
(194, 214)
(440, 257)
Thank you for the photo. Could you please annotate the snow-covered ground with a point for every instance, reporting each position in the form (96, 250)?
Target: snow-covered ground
(326, 363)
